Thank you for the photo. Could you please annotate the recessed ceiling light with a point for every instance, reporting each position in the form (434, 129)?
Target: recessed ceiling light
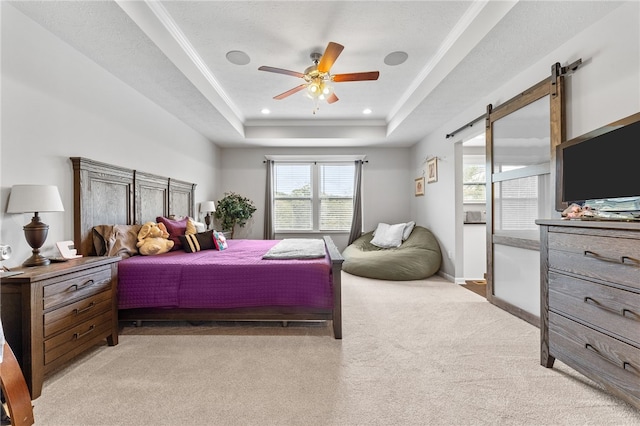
(366, 111)
(395, 58)
(237, 57)
(265, 111)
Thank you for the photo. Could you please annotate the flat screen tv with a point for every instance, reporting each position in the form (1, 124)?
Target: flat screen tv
(601, 165)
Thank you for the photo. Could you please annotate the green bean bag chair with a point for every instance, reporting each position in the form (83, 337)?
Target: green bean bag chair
(418, 257)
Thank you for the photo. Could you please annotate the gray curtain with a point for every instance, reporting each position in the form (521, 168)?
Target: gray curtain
(356, 220)
(269, 232)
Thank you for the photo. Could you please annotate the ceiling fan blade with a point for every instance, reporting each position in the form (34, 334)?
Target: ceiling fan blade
(356, 76)
(333, 98)
(329, 56)
(281, 71)
(290, 92)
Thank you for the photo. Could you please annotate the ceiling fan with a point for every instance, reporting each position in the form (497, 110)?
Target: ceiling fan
(318, 78)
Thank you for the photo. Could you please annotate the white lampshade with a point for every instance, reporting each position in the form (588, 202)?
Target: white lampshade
(207, 206)
(34, 198)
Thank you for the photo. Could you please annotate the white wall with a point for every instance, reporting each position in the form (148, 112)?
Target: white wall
(606, 88)
(56, 104)
(387, 184)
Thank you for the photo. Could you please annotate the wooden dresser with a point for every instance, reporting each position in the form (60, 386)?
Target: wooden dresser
(590, 301)
(53, 313)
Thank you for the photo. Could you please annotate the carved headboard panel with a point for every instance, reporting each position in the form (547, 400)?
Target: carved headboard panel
(108, 195)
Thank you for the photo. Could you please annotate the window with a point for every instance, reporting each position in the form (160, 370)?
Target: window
(516, 203)
(313, 196)
(474, 179)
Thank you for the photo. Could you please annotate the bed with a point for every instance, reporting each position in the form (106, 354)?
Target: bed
(235, 284)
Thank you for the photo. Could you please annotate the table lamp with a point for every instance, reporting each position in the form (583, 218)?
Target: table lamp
(35, 198)
(207, 207)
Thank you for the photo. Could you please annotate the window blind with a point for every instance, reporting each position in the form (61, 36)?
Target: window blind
(313, 196)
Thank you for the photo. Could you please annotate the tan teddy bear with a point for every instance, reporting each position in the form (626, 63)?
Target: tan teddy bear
(153, 239)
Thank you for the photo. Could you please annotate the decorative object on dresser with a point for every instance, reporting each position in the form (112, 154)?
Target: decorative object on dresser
(35, 199)
(590, 301)
(207, 207)
(54, 312)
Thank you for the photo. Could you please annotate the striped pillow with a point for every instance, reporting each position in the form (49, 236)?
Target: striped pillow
(195, 242)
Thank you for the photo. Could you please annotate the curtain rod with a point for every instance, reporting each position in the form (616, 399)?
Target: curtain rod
(314, 162)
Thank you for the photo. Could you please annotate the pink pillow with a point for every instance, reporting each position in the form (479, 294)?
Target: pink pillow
(175, 228)
(220, 240)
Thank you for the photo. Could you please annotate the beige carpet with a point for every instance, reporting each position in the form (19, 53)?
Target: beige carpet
(414, 353)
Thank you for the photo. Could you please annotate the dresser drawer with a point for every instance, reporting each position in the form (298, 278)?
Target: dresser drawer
(76, 338)
(607, 308)
(78, 285)
(596, 355)
(605, 258)
(77, 312)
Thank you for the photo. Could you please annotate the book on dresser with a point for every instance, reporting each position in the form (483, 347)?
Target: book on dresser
(590, 301)
(53, 313)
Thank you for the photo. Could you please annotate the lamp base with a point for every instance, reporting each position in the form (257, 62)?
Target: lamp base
(36, 234)
(36, 259)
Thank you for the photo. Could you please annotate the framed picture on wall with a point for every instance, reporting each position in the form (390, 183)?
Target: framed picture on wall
(419, 186)
(432, 170)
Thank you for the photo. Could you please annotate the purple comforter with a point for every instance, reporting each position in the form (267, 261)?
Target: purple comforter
(233, 278)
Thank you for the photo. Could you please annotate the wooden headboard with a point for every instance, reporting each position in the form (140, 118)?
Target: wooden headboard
(110, 195)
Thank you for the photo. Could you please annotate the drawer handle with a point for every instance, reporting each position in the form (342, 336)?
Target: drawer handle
(635, 315)
(625, 365)
(80, 311)
(630, 367)
(77, 336)
(77, 287)
(625, 260)
(622, 312)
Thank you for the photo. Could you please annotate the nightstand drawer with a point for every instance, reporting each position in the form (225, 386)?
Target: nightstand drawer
(78, 285)
(70, 315)
(604, 258)
(596, 354)
(610, 309)
(77, 337)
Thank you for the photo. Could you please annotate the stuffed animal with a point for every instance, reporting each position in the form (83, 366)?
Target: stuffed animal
(153, 238)
(576, 211)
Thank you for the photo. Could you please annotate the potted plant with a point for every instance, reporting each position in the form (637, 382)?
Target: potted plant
(234, 209)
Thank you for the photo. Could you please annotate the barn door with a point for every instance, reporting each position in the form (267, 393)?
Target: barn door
(521, 134)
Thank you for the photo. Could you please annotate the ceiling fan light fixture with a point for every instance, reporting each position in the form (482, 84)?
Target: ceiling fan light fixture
(319, 88)
(317, 78)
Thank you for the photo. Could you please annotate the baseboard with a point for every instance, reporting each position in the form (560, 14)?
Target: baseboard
(448, 277)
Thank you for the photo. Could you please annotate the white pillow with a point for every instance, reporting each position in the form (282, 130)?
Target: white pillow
(407, 230)
(200, 227)
(388, 236)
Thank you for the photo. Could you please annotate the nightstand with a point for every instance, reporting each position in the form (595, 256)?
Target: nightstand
(53, 313)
